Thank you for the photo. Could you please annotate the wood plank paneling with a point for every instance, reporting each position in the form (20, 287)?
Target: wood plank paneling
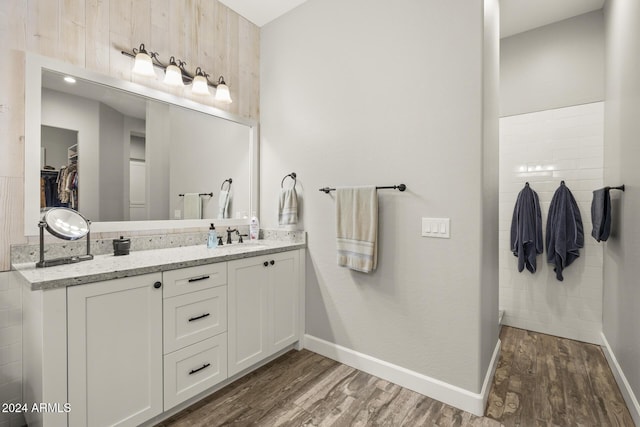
(43, 27)
(91, 33)
(97, 43)
(71, 39)
(11, 215)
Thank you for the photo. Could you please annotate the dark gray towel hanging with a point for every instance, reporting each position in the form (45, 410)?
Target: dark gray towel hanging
(565, 234)
(526, 229)
(601, 214)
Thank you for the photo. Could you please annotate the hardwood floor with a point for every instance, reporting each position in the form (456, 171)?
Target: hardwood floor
(540, 381)
(545, 380)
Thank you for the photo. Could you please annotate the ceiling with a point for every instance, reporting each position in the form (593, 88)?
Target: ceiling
(261, 12)
(516, 16)
(126, 103)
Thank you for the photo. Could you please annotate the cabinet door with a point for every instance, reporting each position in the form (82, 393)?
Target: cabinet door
(283, 300)
(115, 351)
(247, 323)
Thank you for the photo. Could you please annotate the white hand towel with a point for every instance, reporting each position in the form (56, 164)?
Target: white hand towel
(288, 208)
(357, 228)
(192, 206)
(223, 204)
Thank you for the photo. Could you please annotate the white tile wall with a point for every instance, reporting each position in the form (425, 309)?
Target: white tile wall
(10, 347)
(545, 148)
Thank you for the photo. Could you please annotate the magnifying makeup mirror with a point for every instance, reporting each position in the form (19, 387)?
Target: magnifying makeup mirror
(66, 224)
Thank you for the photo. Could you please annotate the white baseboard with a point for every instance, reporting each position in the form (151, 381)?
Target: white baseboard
(590, 335)
(431, 387)
(621, 379)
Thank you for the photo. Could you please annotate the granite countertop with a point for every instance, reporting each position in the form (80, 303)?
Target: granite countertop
(106, 267)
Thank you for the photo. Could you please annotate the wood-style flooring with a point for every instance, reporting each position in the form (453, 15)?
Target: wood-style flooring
(540, 381)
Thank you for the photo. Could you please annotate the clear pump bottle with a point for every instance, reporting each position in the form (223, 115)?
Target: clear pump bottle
(212, 239)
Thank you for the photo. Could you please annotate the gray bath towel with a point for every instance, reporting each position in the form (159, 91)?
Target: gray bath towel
(565, 235)
(526, 229)
(601, 214)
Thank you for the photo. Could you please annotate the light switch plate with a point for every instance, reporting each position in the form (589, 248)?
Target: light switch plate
(436, 227)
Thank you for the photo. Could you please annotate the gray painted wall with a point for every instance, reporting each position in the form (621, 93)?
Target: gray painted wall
(112, 164)
(82, 115)
(356, 93)
(621, 316)
(56, 141)
(554, 66)
(490, 166)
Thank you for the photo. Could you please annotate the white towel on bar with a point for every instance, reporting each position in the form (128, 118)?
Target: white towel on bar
(357, 228)
(192, 206)
(223, 204)
(288, 207)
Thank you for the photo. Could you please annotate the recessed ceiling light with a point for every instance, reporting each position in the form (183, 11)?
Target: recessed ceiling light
(69, 79)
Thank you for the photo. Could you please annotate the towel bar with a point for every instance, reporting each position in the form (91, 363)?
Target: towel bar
(400, 187)
(199, 194)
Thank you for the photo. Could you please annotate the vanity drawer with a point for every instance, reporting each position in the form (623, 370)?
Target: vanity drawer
(194, 369)
(192, 279)
(192, 317)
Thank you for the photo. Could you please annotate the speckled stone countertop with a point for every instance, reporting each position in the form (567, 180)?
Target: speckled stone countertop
(106, 267)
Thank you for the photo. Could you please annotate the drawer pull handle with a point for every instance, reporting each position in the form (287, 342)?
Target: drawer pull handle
(157, 285)
(272, 262)
(266, 264)
(199, 317)
(193, 371)
(197, 279)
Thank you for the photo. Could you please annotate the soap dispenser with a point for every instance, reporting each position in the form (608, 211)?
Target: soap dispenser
(212, 240)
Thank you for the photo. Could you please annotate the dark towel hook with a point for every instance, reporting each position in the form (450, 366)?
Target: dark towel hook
(229, 181)
(293, 176)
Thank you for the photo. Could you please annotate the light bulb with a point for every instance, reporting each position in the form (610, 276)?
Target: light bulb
(143, 66)
(223, 94)
(200, 86)
(173, 76)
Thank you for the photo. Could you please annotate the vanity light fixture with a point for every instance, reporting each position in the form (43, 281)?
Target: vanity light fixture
(222, 92)
(200, 86)
(173, 73)
(143, 65)
(177, 75)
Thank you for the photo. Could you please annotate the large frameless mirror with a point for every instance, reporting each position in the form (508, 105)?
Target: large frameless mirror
(128, 157)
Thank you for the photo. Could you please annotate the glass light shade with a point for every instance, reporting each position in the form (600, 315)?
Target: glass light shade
(223, 94)
(173, 76)
(143, 66)
(200, 86)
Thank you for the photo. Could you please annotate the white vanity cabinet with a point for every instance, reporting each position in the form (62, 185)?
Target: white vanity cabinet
(263, 307)
(125, 351)
(114, 350)
(195, 326)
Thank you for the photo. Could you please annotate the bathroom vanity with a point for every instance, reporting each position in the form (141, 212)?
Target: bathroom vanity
(129, 340)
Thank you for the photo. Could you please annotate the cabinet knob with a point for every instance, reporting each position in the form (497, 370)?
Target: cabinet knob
(266, 264)
(272, 262)
(157, 285)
